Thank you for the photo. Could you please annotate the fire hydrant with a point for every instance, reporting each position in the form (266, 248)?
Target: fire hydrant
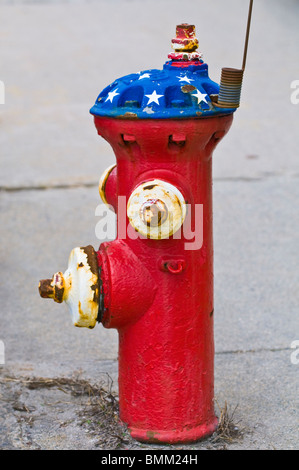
(154, 282)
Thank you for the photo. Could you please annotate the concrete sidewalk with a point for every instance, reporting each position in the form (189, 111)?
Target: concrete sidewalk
(55, 58)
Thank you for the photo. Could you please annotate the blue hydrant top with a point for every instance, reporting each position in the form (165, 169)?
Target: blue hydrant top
(182, 89)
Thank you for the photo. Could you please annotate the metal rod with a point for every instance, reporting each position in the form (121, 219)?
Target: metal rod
(247, 35)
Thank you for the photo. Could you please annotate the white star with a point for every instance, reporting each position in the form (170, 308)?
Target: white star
(185, 79)
(111, 95)
(145, 75)
(153, 98)
(200, 97)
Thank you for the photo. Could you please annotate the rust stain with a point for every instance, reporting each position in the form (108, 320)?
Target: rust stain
(53, 288)
(188, 88)
(91, 259)
(151, 435)
(46, 289)
(154, 212)
(82, 314)
(93, 264)
(214, 98)
(178, 202)
(128, 115)
(58, 294)
(95, 288)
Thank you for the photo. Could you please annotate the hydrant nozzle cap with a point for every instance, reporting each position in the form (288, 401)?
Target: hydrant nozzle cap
(79, 287)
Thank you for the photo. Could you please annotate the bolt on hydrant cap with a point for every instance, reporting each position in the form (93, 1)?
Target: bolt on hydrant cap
(185, 43)
(53, 288)
(154, 212)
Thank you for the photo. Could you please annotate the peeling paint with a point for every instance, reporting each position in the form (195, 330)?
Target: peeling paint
(148, 110)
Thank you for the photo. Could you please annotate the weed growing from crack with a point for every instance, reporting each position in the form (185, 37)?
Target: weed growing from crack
(228, 430)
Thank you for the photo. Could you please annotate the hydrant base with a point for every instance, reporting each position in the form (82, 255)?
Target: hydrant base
(175, 437)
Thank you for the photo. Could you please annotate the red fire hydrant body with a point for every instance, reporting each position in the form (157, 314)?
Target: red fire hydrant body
(154, 283)
(165, 311)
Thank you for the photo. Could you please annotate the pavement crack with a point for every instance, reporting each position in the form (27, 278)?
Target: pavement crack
(16, 189)
(246, 179)
(251, 351)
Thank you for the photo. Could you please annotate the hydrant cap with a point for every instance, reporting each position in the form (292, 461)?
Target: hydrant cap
(182, 89)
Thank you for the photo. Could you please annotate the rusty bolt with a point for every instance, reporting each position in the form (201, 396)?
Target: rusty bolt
(154, 212)
(185, 39)
(185, 30)
(53, 288)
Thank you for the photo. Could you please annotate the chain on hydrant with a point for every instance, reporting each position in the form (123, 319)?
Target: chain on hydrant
(154, 283)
